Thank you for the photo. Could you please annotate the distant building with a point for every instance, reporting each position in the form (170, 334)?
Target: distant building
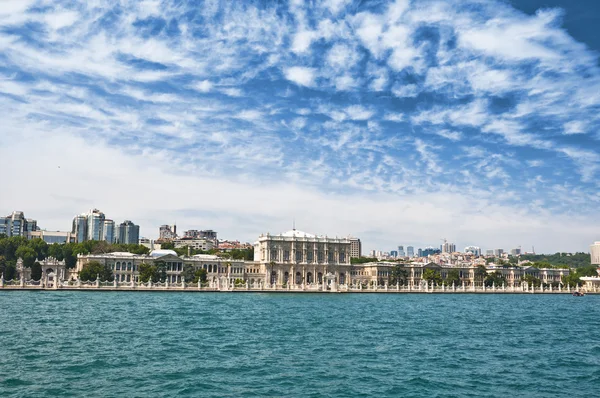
(498, 252)
(94, 225)
(51, 237)
(196, 244)
(410, 251)
(474, 250)
(16, 224)
(203, 234)
(515, 252)
(167, 232)
(448, 247)
(355, 248)
(595, 253)
(489, 252)
(429, 250)
(128, 233)
(108, 231)
(401, 251)
(394, 253)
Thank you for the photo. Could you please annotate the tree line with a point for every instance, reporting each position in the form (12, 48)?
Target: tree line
(34, 250)
(235, 254)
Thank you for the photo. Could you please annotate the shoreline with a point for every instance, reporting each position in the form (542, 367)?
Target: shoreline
(290, 291)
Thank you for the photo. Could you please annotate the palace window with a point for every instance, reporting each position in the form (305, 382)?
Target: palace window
(330, 257)
(286, 255)
(309, 257)
(342, 257)
(298, 255)
(320, 256)
(274, 255)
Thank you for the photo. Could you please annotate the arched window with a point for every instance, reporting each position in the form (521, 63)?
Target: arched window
(118, 267)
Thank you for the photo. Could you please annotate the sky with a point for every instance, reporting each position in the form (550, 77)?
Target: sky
(401, 123)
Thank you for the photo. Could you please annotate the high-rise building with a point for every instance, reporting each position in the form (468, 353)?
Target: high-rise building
(108, 231)
(394, 253)
(95, 224)
(203, 234)
(167, 232)
(489, 252)
(474, 250)
(448, 247)
(498, 252)
(16, 224)
(595, 253)
(410, 251)
(128, 233)
(515, 252)
(401, 251)
(355, 247)
(79, 229)
(429, 250)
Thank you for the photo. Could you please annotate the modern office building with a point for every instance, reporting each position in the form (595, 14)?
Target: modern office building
(401, 251)
(128, 233)
(79, 229)
(51, 237)
(515, 252)
(16, 224)
(429, 250)
(410, 251)
(489, 252)
(394, 253)
(498, 252)
(94, 225)
(355, 247)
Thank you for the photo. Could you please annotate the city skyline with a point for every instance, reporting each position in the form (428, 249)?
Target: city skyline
(396, 122)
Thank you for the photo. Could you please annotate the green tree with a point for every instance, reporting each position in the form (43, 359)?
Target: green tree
(161, 271)
(55, 250)
(147, 272)
(10, 271)
(200, 275)
(495, 279)
(40, 247)
(167, 246)
(432, 275)
(363, 260)
(188, 272)
(36, 271)
(453, 278)
(480, 273)
(399, 275)
(95, 269)
(27, 254)
(531, 280)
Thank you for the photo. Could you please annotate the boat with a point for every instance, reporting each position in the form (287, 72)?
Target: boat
(578, 294)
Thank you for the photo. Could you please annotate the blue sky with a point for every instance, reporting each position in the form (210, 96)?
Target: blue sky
(398, 122)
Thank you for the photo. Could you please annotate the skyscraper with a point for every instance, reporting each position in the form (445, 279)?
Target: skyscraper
(128, 233)
(79, 229)
(95, 224)
(410, 251)
(108, 231)
(401, 251)
(16, 224)
(476, 251)
(448, 247)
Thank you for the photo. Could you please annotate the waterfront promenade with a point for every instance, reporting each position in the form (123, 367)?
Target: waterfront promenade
(312, 288)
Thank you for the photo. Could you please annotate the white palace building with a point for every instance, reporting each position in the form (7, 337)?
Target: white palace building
(298, 260)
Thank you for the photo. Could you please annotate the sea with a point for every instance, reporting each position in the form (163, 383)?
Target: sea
(178, 344)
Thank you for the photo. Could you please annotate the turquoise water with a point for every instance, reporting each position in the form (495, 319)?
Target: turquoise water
(320, 345)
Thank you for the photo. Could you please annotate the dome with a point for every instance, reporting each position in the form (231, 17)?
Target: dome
(160, 253)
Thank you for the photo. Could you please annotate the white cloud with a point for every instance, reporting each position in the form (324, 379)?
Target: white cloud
(300, 75)
(203, 86)
(359, 112)
(405, 90)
